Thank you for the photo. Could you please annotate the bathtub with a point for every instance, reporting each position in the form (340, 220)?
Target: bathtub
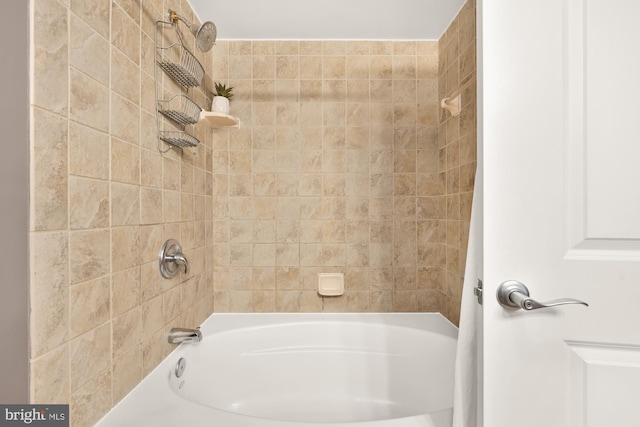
(302, 370)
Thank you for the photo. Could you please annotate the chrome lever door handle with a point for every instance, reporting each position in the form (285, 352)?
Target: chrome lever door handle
(515, 295)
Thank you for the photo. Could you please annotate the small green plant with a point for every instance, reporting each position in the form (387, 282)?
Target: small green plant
(223, 90)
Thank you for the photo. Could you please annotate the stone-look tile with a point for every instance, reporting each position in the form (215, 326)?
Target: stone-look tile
(50, 377)
(88, 50)
(50, 56)
(96, 177)
(125, 251)
(125, 120)
(127, 332)
(125, 162)
(319, 178)
(90, 305)
(153, 351)
(93, 346)
(126, 289)
(49, 279)
(89, 101)
(88, 152)
(171, 174)
(152, 316)
(49, 199)
(150, 169)
(95, 13)
(88, 203)
(150, 205)
(125, 204)
(171, 305)
(125, 76)
(92, 401)
(457, 141)
(89, 251)
(132, 8)
(125, 33)
(127, 372)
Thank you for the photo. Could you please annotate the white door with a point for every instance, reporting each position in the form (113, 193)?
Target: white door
(560, 116)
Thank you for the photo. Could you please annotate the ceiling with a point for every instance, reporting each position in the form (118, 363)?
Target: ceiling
(328, 19)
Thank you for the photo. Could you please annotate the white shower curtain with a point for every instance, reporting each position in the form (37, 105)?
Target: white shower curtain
(466, 381)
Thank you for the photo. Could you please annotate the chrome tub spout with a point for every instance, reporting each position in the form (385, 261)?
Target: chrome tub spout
(180, 335)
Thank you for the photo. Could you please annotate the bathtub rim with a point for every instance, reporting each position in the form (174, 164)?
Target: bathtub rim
(140, 413)
(223, 322)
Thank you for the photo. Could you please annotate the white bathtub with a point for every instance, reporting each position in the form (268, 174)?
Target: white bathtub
(302, 370)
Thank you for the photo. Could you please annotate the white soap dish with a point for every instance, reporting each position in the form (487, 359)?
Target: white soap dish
(331, 284)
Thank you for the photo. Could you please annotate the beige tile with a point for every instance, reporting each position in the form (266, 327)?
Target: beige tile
(127, 372)
(152, 320)
(263, 67)
(125, 204)
(431, 207)
(151, 281)
(152, 351)
(92, 401)
(125, 251)
(127, 332)
(287, 67)
(92, 346)
(89, 305)
(150, 205)
(126, 289)
(125, 162)
(171, 304)
(263, 47)
(125, 33)
(125, 120)
(88, 152)
(380, 67)
(150, 169)
(49, 189)
(89, 251)
(89, 101)
(50, 56)
(50, 377)
(334, 67)
(310, 67)
(49, 318)
(88, 50)
(132, 8)
(95, 13)
(88, 203)
(125, 77)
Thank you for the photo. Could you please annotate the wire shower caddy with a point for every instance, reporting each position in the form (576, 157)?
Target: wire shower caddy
(185, 69)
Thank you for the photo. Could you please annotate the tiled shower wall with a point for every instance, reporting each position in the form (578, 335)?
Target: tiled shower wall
(343, 163)
(457, 142)
(336, 168)
(103, 199)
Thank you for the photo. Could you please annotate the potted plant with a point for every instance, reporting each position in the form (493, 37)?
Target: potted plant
(223, 94)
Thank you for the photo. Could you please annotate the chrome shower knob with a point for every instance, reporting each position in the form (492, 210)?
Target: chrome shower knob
(171, 258)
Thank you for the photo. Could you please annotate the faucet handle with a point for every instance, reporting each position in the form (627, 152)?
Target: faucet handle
(170, 258)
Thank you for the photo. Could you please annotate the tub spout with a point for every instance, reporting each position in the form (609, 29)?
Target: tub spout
(180, 335)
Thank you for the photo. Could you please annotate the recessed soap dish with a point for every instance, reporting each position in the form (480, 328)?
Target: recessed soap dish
(330, 284)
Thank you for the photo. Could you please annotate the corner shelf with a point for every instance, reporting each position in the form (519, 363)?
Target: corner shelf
(219, 120)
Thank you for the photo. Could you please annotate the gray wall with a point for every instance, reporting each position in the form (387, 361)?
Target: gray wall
(14, 204)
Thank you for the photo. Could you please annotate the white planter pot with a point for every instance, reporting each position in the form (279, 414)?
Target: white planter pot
(220, 104)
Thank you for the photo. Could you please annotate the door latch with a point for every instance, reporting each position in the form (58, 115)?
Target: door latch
(477, 291)
(514, 295)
